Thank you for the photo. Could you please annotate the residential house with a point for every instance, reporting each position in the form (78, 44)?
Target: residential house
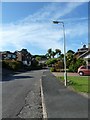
(7, 55)
(24, 56)
(83, 53)
(80, 51)
(86, 56)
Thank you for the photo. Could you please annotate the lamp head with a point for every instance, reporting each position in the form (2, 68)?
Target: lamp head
(55, 22)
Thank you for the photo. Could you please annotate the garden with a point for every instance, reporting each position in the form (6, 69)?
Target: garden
(77, 83)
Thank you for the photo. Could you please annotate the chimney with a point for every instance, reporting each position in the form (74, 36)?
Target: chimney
(84, 46)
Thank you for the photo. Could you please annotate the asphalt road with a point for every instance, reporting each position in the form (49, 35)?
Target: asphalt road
(21, 95)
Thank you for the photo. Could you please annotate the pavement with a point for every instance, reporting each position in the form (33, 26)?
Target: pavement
(61, 102)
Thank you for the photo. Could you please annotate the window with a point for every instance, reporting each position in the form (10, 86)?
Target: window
(13, 56)
(83, 67)
(9, 55)
(88, 67)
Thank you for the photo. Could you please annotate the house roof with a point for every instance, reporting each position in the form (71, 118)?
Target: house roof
(20, 52)
(82, 51)
(85, 55)
(7, 52)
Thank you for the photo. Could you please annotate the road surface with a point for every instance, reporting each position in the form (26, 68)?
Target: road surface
(21, 95)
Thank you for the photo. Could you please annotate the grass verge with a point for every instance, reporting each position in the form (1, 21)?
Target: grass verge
(79, 83)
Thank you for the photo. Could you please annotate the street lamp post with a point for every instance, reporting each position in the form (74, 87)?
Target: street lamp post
(65, 72)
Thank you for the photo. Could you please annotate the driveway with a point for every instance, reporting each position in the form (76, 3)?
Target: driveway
(62, 74)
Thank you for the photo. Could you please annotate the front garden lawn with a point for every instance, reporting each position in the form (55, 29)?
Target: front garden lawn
(79, 83)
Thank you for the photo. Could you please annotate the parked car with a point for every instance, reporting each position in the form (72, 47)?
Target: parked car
(84, 70)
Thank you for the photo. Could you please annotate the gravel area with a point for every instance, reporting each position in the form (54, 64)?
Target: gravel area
(32, 108)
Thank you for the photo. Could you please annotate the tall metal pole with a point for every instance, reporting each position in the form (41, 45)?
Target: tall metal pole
(65, 72)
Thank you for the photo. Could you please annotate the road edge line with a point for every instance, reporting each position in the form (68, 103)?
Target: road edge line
(43, 102)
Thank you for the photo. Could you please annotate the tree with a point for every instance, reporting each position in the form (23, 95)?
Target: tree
(51, 61)
(38, 58)
(47, 55)
(58, 66)
(49, 52)
(70, 51)
(61, 57)
(69, 57)
(53, 54)
(57, 52)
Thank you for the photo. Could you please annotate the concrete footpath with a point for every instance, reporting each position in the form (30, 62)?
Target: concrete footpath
(60, 102)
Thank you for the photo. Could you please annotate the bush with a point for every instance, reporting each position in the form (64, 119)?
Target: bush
(74, 66)
(58, 66)
(11, 64)
(5, 64)
(35, 65)
(51, 61)
(52, 69)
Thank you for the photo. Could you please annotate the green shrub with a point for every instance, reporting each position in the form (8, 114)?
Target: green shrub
(51, 61)
(15, 65)
(58, 70)
(35, 65)
(75, 65)
(58, 66)
(52, 69)
(72, 68)
(5, 64)
(12, 65)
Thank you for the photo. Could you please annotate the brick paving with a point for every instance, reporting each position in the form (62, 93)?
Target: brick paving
(62, 74)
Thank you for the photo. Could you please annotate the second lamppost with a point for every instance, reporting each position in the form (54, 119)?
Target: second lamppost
(65, 72)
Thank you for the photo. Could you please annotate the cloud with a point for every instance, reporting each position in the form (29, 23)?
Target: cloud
(77, 30)
(40, 35)
(53, 11)
(37, 30)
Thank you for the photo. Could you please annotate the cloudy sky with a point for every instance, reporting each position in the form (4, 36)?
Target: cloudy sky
(29, 25)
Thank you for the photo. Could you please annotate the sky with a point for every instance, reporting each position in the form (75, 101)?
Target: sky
(30, 25)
